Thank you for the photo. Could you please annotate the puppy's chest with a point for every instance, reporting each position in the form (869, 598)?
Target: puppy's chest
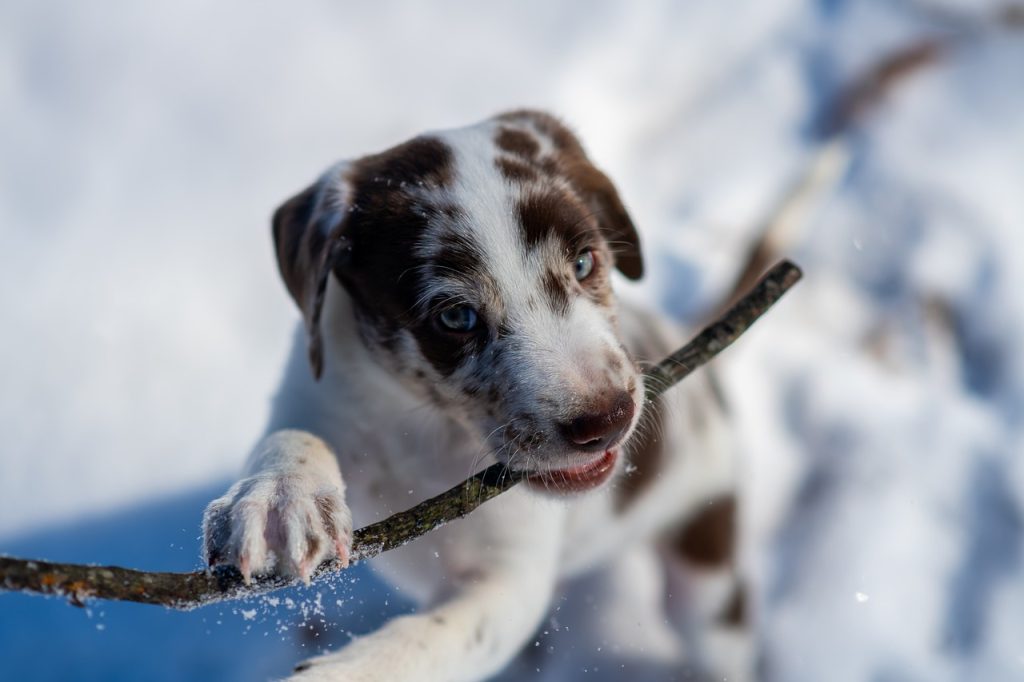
(390, 464)
(392, 468)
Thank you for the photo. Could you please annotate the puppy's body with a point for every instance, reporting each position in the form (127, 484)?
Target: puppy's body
(456, 293)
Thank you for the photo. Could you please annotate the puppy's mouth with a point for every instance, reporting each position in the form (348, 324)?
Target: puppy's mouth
(576, 479)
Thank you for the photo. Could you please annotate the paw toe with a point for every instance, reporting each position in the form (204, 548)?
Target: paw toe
(337, 522)
(248, 538)
(216, 532)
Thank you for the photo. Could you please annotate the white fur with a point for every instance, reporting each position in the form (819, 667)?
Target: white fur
(486, 582)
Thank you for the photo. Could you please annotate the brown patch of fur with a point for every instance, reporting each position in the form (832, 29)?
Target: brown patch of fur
(516, 171)
(559, 134)
(517, 142)
(458, 256)
(570, 161)
(552, 214)
(646, 454)
(708, 539)
(386, 273)
(422, 161)
(309, 248)
(735, 611)
(611, 215)
(556, 287)
(291, 233)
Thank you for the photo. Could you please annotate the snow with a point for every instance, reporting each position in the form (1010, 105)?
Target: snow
(881, 405)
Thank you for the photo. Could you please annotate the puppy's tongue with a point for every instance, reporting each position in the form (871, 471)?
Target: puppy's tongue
(576, 479)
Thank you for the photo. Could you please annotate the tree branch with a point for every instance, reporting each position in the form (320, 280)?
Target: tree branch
(79, 582)
(787, 218)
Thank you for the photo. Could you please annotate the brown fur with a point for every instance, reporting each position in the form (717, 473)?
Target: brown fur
(708, 538)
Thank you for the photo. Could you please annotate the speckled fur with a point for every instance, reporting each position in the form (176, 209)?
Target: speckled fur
(492, 216)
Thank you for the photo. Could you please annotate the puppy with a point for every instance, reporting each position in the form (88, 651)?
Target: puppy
(456, 292)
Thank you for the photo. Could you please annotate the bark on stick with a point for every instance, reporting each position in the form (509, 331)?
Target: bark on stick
(79, 582)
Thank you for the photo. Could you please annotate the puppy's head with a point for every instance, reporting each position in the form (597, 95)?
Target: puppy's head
(479, 263)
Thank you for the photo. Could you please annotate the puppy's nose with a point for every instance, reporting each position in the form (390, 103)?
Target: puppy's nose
(595, 430)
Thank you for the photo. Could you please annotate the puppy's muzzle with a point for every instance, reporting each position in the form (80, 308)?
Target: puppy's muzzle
(600, 426)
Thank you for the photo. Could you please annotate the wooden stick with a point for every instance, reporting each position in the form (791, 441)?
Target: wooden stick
(79, 582)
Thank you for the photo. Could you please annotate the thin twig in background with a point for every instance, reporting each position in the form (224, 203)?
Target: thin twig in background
(79, 582)
(827, 162)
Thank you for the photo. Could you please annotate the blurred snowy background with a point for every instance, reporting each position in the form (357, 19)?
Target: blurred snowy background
(144, 146)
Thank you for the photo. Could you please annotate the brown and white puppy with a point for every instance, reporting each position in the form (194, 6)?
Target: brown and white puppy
(458, 307)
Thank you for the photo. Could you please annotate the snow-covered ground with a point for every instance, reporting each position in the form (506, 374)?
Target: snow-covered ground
(144, 146)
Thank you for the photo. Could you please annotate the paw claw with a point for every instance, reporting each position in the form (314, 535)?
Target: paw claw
(305, 571)
(341, 553)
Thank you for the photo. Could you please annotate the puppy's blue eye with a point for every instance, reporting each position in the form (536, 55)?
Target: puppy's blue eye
(584, 265)
(460, 318)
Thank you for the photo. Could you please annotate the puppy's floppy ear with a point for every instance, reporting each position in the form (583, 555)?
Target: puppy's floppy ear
(309, 241)
(599, 192)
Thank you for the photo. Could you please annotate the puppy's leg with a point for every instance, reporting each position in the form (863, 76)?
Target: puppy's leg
(706, 595)
(288, 513)
(503, 577)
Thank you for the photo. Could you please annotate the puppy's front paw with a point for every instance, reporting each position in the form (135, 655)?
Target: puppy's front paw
(282, 520)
